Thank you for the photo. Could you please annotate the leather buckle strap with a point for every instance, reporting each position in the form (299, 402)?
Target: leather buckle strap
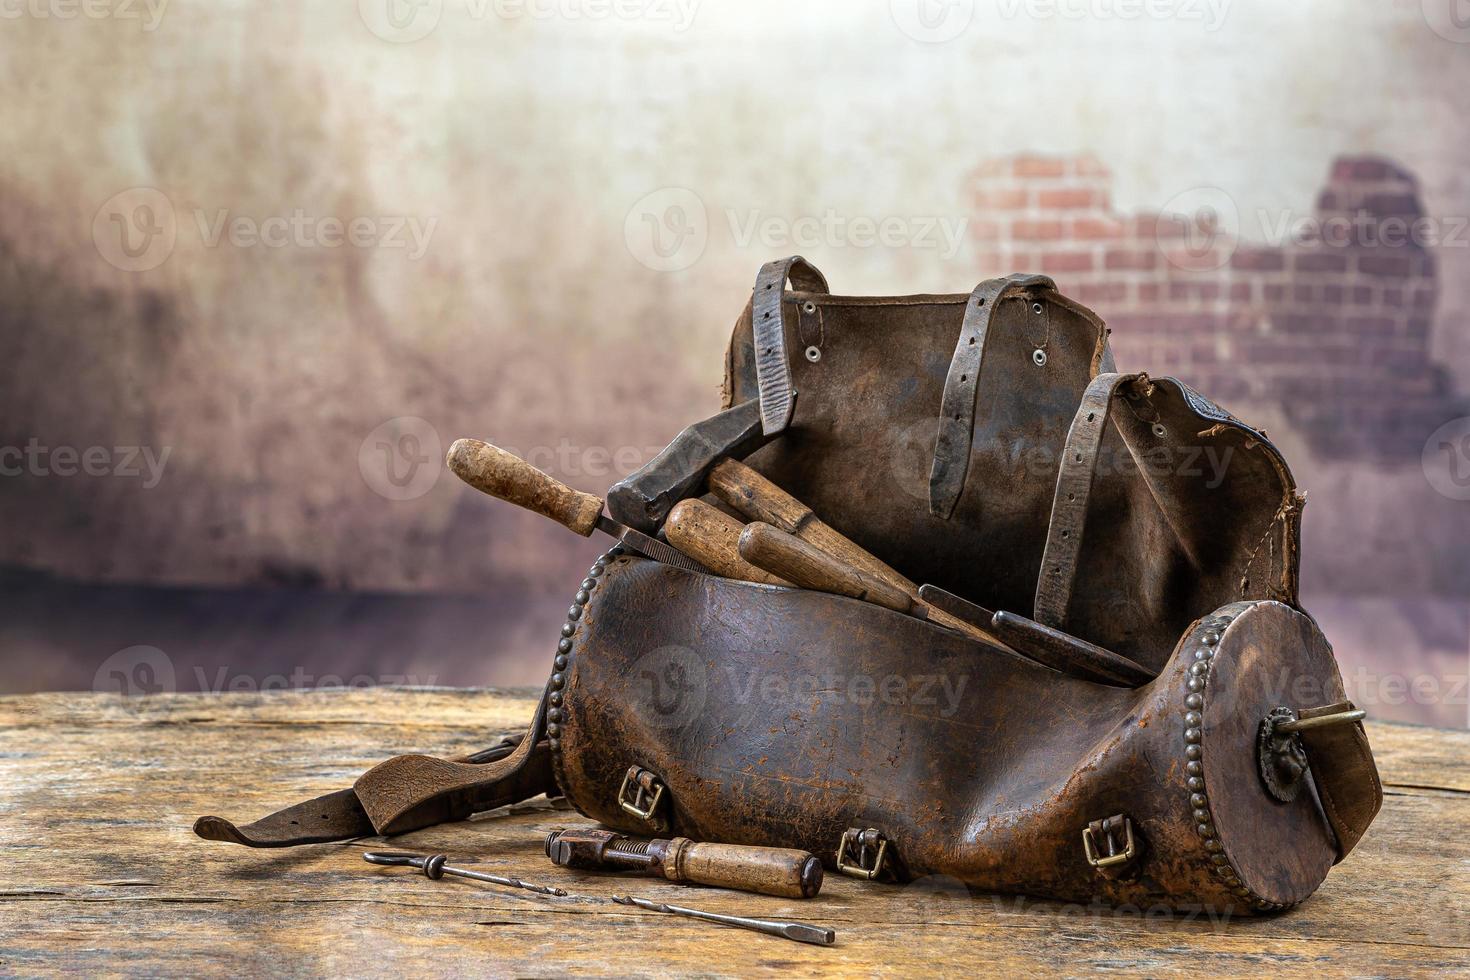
(957, 413)
(1069, 506)
(772, 366)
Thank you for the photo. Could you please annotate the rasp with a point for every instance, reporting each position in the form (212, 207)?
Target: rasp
(506, 476)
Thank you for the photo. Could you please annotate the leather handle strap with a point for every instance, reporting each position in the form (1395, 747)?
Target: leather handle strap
(772, 366)
(957, 408)
(1342, 766)
(1069, 506)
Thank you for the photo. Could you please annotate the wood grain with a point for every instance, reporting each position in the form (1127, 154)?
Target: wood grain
(506, 476)
(100, 875)
(789, 557)
(712, 537)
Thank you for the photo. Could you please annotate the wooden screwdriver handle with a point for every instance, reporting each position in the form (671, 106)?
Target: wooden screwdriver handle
(761, 500)
(712, 537)
(809, 567)
(492, 470)
(780, 871)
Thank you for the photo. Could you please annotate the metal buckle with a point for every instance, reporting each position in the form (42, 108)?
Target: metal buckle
(1114, 857)
(648, 793)
(868, 850)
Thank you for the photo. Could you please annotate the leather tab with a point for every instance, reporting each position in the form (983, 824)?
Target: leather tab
(772, 366)
(1069, 505)
(1347, 779)
(957, 412)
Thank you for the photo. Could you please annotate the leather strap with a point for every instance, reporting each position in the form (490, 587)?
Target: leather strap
(957, 413)
(1069, 506)
(512, 768)
(1347, 779)
(772, 366)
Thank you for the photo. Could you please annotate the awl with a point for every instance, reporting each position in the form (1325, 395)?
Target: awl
(506, 476)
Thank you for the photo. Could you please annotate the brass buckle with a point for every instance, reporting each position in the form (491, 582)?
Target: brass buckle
(862, 853)
(1114, 857)
(647, 794)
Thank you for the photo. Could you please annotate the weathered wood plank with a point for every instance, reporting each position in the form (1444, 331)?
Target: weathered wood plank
(101, 874)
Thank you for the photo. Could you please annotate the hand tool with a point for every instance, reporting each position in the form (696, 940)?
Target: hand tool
(711, 536)
(809, 567)
(434, 868)
(1057, 650)
(758, 498)
(644, 499)
(492, 470)
(797, 931)
(781, 871)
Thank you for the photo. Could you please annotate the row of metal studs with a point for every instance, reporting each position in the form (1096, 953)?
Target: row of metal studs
(1194, 767)
(555, 715)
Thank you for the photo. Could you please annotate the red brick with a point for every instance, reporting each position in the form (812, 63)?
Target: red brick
(1359, 168)
(1148, 292)
(1258, 259)
(1066, 262)
(1320, 261)
(1240, 292)
(1002, 199)
(1118, 259)
(1049, 231)
(1103, 292)
(1094, 229)
(1033, 166)
(1384, 265)
(1070, 198)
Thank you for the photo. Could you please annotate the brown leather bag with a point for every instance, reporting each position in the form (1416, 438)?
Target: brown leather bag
(1130, 512)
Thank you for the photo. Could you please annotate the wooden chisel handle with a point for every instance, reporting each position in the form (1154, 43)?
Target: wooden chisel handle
(809, 567)
(761, 500)
(492, 470)
(712, 538)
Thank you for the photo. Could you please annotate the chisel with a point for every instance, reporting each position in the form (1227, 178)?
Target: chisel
(506, 476)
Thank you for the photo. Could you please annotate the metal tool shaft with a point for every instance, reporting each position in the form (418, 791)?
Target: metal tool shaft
(648, 547)
(434, 868)
(795, 931)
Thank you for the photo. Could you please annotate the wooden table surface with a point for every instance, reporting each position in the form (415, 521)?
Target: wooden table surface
(100, 875)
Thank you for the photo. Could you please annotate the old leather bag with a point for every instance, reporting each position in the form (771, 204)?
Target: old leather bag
(984, 443)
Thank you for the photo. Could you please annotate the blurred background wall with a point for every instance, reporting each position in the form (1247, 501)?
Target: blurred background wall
(261, 262)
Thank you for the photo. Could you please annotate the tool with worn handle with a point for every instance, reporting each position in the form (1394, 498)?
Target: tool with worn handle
(796, 931)
(434, 868)
(758, 498)
(809, 567)
(492, 470)
(1052, 647)
(711, 536)
(780, 871)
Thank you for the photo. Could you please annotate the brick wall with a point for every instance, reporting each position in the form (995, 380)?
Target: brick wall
(1331, 323)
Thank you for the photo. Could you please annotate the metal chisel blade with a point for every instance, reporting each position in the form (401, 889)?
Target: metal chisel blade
(649, 547)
